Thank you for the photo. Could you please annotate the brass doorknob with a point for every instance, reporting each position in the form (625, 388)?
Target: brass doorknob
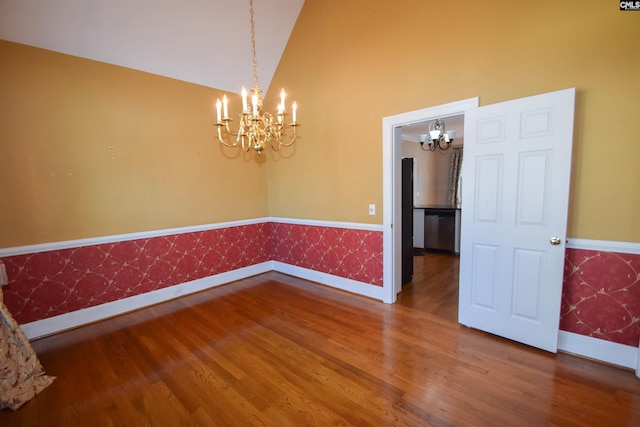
(555, 241)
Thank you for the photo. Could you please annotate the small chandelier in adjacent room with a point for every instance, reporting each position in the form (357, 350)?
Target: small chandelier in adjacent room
(437, 137)
(257, 128)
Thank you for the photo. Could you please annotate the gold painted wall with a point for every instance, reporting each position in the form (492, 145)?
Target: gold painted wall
(89, 149)
(351, 63)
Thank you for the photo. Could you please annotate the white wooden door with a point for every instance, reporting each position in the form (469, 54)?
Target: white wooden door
(517, 165)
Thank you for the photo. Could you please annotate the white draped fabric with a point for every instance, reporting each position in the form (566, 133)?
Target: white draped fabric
(21, 374)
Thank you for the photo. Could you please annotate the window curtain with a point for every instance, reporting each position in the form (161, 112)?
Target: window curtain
(455, 170)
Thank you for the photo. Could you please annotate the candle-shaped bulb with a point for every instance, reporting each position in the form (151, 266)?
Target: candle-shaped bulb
(244, 100)
(225, 106)
(294, 109)
(218, 113)
(282, 97)
(254, 100)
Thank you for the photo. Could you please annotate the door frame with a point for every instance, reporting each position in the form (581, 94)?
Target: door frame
(391, 191)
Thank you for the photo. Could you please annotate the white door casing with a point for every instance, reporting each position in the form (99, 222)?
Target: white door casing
(517, 165)
(391, 186)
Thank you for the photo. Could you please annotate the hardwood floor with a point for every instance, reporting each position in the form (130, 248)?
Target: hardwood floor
(273, 350)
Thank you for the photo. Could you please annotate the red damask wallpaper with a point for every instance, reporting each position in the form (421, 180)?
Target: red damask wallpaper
(601, 291)
(344, 252)
(46, 284)
(601, 295)
(51, 283)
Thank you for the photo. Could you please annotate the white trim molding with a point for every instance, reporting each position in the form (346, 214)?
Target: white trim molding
(71, 244)
(391, 155)
(349, 285)
(605, 246)
(332, 224)
(598, 349)
(73, 319)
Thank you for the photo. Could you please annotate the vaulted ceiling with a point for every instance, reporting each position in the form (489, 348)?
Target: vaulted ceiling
(198, 41)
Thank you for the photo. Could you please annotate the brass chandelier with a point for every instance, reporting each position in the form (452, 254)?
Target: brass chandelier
(257, 128)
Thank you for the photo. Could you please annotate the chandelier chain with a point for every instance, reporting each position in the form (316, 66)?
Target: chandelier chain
(253, 46)
(257, 129)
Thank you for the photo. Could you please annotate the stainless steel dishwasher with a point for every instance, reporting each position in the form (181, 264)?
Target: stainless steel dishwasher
(440, 229)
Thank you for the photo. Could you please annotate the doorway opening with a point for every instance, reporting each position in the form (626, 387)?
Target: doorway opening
(392, 191)
(431, 196)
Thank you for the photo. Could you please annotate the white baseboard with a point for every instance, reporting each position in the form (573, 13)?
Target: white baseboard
(77, 318)
(74, 319)
(353, 286)
(594, 348)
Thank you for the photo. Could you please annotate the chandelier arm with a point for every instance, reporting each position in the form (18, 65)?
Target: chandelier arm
(227, 129)
(246, 147)
(446, 147)
(293, 137)
(245, 132)
(221, 139)
(241, 140)
(430, 147)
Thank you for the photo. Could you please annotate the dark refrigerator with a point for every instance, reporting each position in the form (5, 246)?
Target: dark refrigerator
(407, 220)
